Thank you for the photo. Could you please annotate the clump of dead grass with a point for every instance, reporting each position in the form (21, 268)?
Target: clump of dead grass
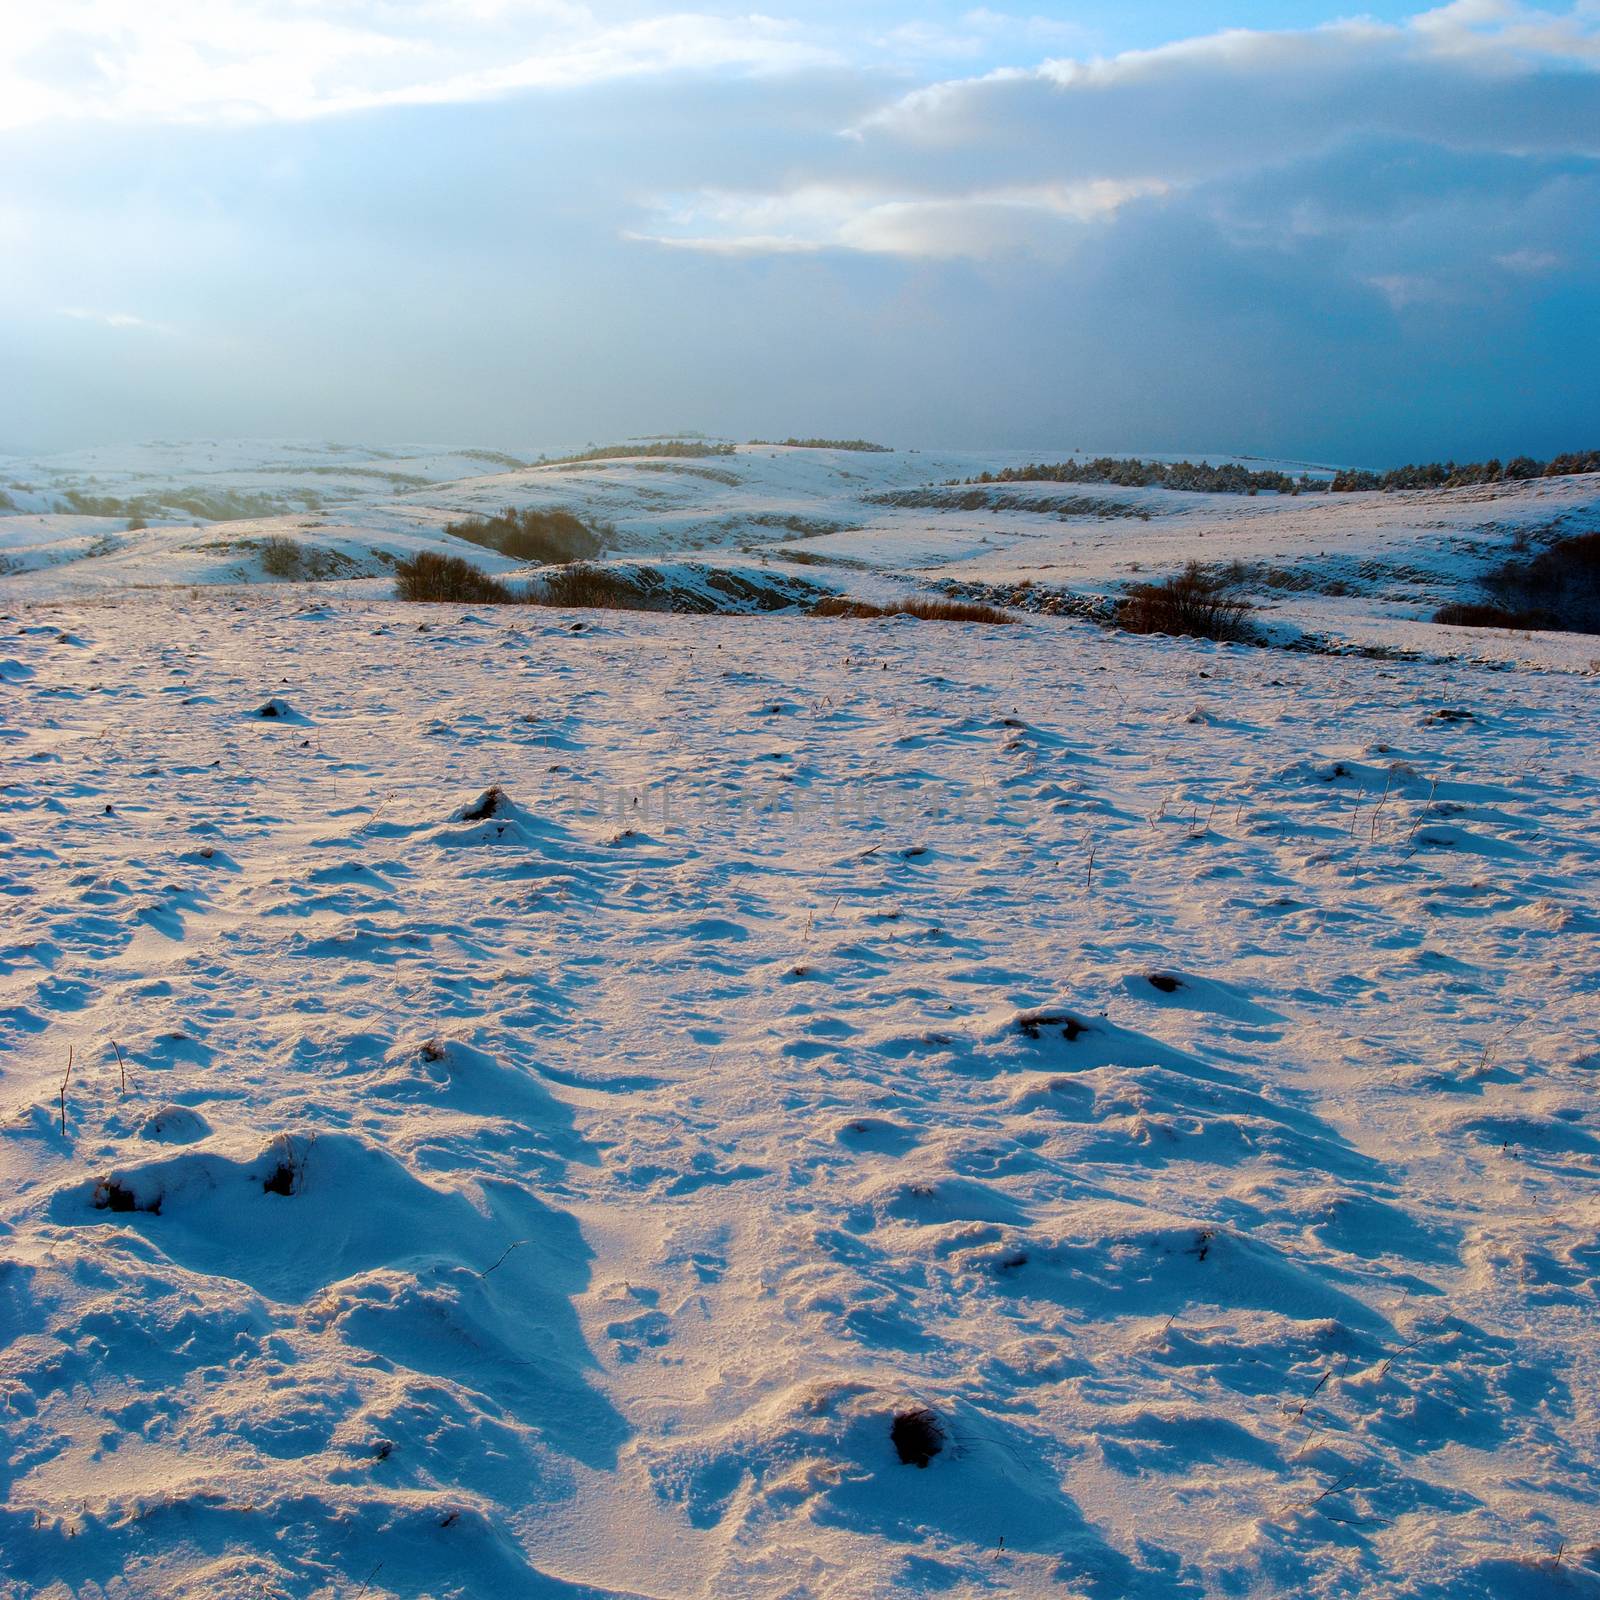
(922, 607)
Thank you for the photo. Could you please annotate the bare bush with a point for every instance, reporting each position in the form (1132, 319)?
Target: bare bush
(1472, 615)
(533, 534)
(593, 587)
(281, 558)
(1194, 603)
(427, 576)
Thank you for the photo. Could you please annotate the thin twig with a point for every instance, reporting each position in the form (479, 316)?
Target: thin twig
(516, 1244)
(1427, 807)
(1334, 1487)
(1383, 1371)
(1378, 810)
(65, 1079)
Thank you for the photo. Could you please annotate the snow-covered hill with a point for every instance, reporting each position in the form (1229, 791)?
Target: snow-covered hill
(1365, 570)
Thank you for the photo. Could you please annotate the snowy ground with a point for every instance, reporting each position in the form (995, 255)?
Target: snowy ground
(639, 1172)
(1169, 1066)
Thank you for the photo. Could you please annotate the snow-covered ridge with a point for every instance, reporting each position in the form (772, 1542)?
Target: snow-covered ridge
(1366, 569)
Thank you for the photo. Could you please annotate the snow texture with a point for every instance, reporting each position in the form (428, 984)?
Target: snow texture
(779, 1106)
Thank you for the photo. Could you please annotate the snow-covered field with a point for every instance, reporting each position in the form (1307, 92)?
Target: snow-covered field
(565, 1103)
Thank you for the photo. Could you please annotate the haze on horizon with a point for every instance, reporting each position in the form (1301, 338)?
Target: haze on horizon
(1259, 227)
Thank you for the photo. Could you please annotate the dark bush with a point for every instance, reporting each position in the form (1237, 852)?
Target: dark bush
(1193, 603)
(1559, 587)
(1131, 472)
(1462, 474)
(532, 534)
(592, 587)
(1231, 478)
(1466, 615)
(427, 576)
(917, 1436)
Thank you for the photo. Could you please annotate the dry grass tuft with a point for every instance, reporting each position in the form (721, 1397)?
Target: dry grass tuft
(926, 609)
(534, 534)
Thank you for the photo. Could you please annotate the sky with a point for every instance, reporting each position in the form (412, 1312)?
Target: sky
(1278, 228)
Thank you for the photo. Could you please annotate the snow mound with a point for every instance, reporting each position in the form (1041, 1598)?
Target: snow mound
(277, 709)
(492, 817)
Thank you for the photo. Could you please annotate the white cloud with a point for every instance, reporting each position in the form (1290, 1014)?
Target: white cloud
(124, 320)
(1039, 219)
(1405, 289)
(981, 32)
(1531, 263)
(1469, 74)
(208, 60)
(1484, 28)
(1018, 161)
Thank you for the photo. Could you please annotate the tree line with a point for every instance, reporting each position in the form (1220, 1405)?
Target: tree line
(1231, 478)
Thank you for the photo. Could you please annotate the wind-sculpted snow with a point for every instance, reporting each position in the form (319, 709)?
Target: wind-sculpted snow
(775, 1106)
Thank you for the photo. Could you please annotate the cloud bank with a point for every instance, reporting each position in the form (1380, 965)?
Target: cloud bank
(529, 221)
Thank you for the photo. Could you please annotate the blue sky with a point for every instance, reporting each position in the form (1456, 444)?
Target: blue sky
(534, 223)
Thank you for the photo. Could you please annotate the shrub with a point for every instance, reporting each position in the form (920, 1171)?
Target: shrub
(427, 576)
(212, 505)
(1468, 615)
(1458, 475)
(135, 523)
(280, 558)
(1558, 588)
(1194, 603)
(532, 534)
(838, 605)
(592, 587)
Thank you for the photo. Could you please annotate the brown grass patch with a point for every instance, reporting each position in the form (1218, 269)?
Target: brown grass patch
(926, 609)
